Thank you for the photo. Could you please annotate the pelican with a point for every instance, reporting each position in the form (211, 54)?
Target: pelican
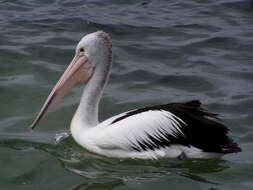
(162, 131)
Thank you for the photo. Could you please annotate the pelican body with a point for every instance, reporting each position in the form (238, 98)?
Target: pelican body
(162, 131)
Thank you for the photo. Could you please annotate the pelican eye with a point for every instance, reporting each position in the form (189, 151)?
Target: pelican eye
(81, 50)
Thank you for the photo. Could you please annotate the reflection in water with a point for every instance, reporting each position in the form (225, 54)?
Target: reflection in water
(142, 171)
(99, 185)
(96, 167)
(197, 178)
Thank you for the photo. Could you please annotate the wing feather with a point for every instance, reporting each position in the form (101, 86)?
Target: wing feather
(146, 130)
(165, 125)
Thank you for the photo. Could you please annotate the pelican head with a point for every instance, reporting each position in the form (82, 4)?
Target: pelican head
(88, 53)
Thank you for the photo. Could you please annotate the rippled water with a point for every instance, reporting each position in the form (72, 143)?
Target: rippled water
(164, 51)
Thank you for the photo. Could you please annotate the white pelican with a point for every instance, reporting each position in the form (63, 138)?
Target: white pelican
(162, 131)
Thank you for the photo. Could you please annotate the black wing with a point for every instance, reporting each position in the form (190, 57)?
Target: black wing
(200, 129)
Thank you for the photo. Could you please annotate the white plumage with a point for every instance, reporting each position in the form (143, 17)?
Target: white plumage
(117, 139)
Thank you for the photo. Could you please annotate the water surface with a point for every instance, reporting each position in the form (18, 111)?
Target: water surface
(164, 51)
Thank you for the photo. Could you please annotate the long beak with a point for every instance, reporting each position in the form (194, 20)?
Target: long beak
(79, 70)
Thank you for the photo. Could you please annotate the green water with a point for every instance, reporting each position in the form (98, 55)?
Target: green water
(164, 51)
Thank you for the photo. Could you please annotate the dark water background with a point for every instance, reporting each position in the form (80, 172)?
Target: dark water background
(164, 51)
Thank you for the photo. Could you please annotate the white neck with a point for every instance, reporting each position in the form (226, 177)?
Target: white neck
(87, 112)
